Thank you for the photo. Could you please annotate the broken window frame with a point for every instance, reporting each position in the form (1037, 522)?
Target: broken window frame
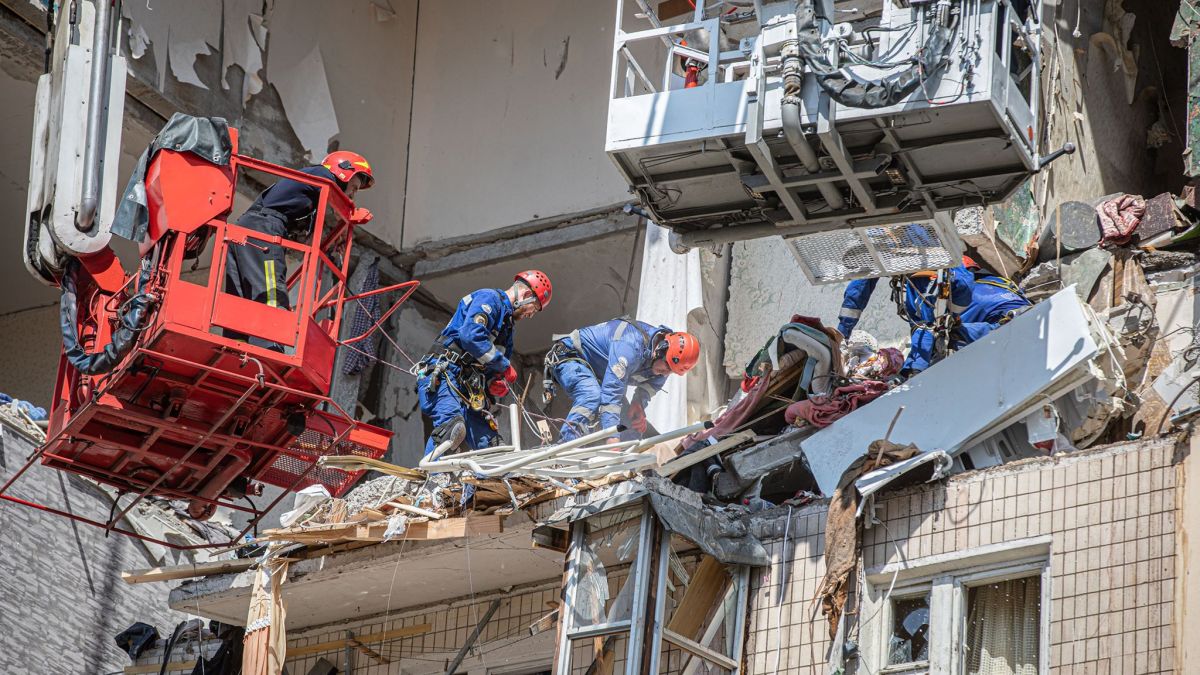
(948, 582)
(644, 629)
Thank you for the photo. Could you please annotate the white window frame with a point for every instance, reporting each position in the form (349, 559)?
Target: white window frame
(947, 578)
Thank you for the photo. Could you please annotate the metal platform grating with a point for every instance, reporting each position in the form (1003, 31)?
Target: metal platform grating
(876, 251)
(305, 450)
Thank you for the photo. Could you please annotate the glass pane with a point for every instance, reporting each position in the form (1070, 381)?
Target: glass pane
(604, 592)
(1003, 627)
(909, 640)
(604, 654)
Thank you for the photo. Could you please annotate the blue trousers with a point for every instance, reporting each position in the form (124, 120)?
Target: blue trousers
(580, 383)
(443, 405)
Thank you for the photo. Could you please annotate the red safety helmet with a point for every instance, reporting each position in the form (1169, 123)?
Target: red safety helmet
(682, 352)
(537, 282)
(969, 263)
(346, 165)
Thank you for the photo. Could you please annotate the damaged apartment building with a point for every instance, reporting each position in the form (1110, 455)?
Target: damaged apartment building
(1022, 505)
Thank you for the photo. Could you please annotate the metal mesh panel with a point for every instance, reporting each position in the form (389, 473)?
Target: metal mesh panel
(305, 450)
(876, 251)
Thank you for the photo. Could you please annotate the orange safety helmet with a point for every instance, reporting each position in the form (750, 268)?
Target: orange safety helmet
(537, 282)
(682, 352)
(346, 165)
(969, 263)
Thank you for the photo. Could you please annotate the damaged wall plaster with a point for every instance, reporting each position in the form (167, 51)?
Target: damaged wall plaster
(766, 287)
(495, 126)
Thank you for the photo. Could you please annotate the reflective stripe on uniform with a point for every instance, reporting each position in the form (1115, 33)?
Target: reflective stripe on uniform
(583, 411)
(850, 313)
(269, 277)
(612, 408)
(957, 309)
(620, 330)
(647, 388)
(490, 355)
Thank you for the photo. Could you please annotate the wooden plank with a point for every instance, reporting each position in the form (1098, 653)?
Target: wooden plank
(699, 598)
(333, 645)
(187, 571)
(451, 528)
(155, 667)
(680, 463)
(695, 649)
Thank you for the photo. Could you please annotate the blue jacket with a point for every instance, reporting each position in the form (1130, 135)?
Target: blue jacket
(920, 306)
(620, 356)
(994, 299)
(482, 326)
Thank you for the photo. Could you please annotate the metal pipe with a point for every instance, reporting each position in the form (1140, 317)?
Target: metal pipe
(790, 118)
(672, 435)
(98, 88)
(455, 463)
(514, 426)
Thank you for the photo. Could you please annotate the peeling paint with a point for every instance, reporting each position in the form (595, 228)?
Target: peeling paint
(243, 37)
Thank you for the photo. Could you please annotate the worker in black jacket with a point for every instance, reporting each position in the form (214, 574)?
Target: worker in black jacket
(258, 270)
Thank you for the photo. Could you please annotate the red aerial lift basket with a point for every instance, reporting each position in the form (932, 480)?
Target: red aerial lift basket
(195, 411)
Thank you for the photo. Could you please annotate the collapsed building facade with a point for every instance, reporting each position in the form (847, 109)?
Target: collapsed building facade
(1022, 505)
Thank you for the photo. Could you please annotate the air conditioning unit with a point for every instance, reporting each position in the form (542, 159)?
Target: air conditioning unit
(745, 119)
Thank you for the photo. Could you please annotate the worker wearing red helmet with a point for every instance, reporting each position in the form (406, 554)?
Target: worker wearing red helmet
(467, 369)
(597, 364)
(258, 271)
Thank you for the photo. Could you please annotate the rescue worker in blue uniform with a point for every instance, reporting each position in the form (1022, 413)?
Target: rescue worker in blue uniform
(595, 366)
(469, 362)
(995, 300)
(258, 270)
(979, 303)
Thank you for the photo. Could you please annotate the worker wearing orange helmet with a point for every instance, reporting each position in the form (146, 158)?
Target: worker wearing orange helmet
(467, 368)
(597, 364)
(258, 270)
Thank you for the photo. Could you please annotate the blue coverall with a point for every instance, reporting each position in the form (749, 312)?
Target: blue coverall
(994, 300)
(482, 327)
(608, 358)
(920, 306)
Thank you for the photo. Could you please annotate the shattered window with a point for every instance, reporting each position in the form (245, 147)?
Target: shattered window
(909, 640)
(1004, 627)
(603, 594)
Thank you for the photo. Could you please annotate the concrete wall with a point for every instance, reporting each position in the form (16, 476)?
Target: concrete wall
(509, 115)
(1110, 515)
(767, 286)
(61, 595)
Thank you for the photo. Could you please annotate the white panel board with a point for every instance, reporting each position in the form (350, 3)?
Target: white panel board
(974, 392)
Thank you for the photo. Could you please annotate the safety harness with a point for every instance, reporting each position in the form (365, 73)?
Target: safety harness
(560, 353)
(471, 384)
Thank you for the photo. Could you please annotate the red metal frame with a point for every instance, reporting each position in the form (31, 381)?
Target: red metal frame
(193, 411)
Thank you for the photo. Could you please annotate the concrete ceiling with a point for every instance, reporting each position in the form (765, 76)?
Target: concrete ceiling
(366, 582)
(592, 283)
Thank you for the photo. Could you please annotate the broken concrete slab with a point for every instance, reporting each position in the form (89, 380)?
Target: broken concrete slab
(975, 392)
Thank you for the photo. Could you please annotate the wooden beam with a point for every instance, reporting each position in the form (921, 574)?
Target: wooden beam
(187, 571)
(379, 658)
(451, 528)
(334, 645)
(695, 649)
(698, 600)
(684, 461)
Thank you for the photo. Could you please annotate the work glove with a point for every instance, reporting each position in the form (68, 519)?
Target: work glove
(360, 215)
(499, 386)
(637, 418)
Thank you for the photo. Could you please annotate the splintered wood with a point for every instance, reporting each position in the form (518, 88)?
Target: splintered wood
(449, 528)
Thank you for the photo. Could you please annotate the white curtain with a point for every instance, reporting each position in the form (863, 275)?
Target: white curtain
(1003, 628)
(673, 292)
